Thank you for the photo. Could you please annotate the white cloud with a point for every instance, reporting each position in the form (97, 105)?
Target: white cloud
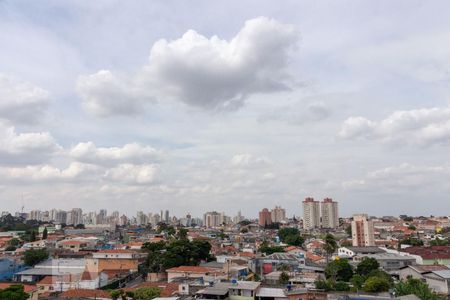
(21, 101)
(425, 126)
(401, 178)
(25, 148)
(246, 160)
(48, 173)
(130, 153)
(210, 73)
(133, 174)
(104, 94)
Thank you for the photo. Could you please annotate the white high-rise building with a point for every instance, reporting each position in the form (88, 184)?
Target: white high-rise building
(212, 219)
(311, 213)
(362, 231)
(330, 213)
(278, 214)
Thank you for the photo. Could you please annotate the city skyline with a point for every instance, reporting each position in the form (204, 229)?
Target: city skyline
(144, 106)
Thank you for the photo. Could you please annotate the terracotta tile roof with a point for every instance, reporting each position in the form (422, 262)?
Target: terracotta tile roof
(46, 280)
(433, 252)
(83, 293)
(246, 254)
(168, 289)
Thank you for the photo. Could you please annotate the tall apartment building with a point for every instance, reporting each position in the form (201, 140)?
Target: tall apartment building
(212, 219)
(362, 231)
(61, 217)
(330, 213)
(265, 217)
(311, 213)
(76, 216)
(278, 214)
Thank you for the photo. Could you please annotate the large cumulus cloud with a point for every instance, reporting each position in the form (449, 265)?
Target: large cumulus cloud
(210, 73)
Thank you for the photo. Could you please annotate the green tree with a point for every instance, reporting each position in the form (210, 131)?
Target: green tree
(182, 234)
(367, 265)
(14, 242)
(34, 256)
(44, 234)
(13, 292)
(284, 278)
(290, 236)
(147, 293)
(32, 236)
(265, 248)
(357, 282)
(342, 286)
(376, 284)
(416, 287)
(339, 270)
(330, 245)
(325, 285)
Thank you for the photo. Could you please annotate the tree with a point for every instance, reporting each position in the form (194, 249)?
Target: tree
(339, 270)
(284, 278)
(32, 236)
(290, 236)
(342, 286)
(34, 256)
(416, 287)
(147, 293)
(410, 241)
(348, 230)
(44, 234)
(325, 285)
(412, 227)
(182, 234)
(367, 265)
(265, 248)
(330, 245)
(357, 282)
(13, 292)
(376, 284)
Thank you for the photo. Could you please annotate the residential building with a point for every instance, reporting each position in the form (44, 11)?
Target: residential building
(330, 213)
(265, 217)
(311, 213)
(362, 231)
(278, 214)
(212, 219)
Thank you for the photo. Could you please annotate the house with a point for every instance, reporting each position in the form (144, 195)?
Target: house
(66, 282)
(305, 294)
(51, 267)
(350, 252)
(86, 294)
(10, 266)
(268, 264)
(72, 245)
(235, 290)
(431, 255)
(189, 272)
(439, 281)
(417, 271)
(388, 261)
(115, 260)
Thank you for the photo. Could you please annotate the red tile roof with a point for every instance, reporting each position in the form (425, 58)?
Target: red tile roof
(83, 293)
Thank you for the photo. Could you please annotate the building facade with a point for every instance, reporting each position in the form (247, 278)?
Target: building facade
(362, 231)
(311, 213)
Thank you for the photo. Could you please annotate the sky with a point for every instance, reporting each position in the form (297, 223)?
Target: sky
(194, 106)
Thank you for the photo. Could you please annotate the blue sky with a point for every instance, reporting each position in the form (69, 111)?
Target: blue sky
(225, 105)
